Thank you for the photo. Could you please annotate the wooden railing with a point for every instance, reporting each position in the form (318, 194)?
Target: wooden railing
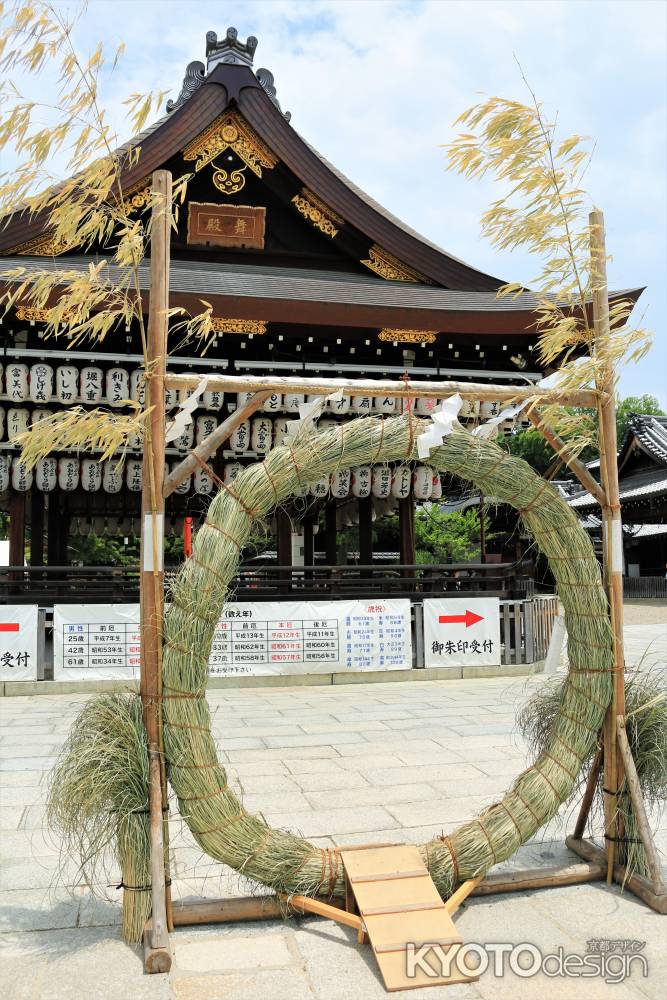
(645, 586)
(48, 585)
(525, 628)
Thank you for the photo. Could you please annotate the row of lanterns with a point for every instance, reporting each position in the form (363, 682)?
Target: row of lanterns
(69, 473)
(42, 383)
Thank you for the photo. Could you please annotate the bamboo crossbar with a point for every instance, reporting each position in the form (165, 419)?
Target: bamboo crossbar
(380, 387)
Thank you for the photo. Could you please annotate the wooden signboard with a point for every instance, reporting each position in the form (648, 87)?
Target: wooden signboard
(226, 225)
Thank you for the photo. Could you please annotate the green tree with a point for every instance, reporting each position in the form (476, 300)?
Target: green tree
(531, 446)
(635, 404)
(447, 537)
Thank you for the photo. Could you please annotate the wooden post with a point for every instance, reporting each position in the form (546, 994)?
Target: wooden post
(36, 528)
(612, 530)
(482, 530)
(589, 794)
(284, 546)
(366, 530)
(152, 568)
(406, 527)
(640, 810)
(330, 533)
(17, 503)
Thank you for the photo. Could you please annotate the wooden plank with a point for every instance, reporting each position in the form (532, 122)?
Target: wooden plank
(462, 893)
(400, 906)
(541, 878)
(636, 884)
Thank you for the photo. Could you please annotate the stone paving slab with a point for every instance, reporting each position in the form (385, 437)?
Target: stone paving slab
(379, 762)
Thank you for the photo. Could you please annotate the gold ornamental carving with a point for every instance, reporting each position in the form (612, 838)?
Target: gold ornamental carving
(221, 324)
(390, 267)
(230, 131)
(138, 196)
(407, 336)
(31, 314)
(321, 216)
(42, 246)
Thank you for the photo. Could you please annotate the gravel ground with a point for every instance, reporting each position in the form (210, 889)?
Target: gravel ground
(645, 612)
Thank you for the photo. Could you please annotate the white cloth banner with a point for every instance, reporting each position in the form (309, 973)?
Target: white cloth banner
(461, 632)
(251, 639)
(18, 642)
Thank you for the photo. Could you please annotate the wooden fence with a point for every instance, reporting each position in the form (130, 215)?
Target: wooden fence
(525, 628)
(645, 586)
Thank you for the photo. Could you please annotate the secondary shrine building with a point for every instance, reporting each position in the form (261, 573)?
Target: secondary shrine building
(307, 275)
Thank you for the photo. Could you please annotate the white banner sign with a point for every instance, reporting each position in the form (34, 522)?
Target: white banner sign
(286, 637)
(18, 642)
(461, 632)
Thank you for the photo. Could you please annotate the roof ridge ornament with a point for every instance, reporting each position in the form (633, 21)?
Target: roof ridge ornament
(229, 51)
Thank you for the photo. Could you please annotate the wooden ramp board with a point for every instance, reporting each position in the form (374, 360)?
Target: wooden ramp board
(399, 904)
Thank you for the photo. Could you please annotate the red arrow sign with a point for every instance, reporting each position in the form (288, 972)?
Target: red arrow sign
(469, 618)
(9, 626)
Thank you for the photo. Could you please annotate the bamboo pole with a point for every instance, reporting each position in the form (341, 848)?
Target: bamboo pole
(638, 802)
(152, 570)
(462, 894)
(380, 387)
(612, 529)
(563, 452)
(212, 442)
(637, 884)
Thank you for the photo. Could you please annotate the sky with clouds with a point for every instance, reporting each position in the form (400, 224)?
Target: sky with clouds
(375, 86)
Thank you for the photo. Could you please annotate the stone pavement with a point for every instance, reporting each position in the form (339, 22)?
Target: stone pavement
(395, 762)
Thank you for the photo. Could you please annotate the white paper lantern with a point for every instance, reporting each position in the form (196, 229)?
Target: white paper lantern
(39, 414)
(185, 441)
(340, 484)
(362, 405)
(213, 400)
(242, 398)
(21, 477)
(205, 425)
(133, 475)
(171, 397)
(202, 482)
(340, 406)
(41, 383)
(117, 386)
(436, 486)
(261, 435)
(401, 482)
(361, 480)
(16, 376)
(381, 481)
(112, 476)
(68, 473)
(18, 419)
(231, 471)
(292, 401)
(91, 384)
(385, 404)
(507, 426)
(469, 409)
(137, 385)
(46, 474)
(91, 475)
(426, 405)
(320, 488)
(273, 403)
(5, 470)
(489, 409)
(280, 426)
(67, 383)
(240, 438)
(422, 483)
(185, 485)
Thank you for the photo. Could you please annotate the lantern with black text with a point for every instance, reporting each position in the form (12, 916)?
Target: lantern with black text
(112, 477)
(240, 438)
(385, 405)
(185, 440)
(16, 379)
(436, 486)
(21, 476)
(340, 484)
(41, 383)
(381, 481)
(46, 474)
(422, 483)
(183, 487)
(273, 403)
(340, 406)
(401, 482)
(362, 405)
(261, 435)
(292, 401)
(17, 421)
(118, 386)
(5, 469)
(361, 480)
(133, 475)
(137, 386)
(320, 488)
(213, 399)
(91, 384)
(91, 475)
(231, 471)
(206, 424)
(68, 473)
(67, 383)
(202, 482)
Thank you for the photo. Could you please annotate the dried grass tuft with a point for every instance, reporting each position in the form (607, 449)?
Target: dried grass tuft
(81, 430)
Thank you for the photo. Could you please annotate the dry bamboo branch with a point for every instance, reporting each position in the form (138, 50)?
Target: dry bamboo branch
(572, 462)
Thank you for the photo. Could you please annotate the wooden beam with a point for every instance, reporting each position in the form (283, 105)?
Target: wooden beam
(307, 904)
(637, 884)
(366, 530)
(589, 794)
(462, 893)
(612, 528)
(210, 444)
(563, 452)
(541, 878)
(381, 387)
(640, 810)
(36, 528)
(239, 908)
(152, 570)
(17, 504)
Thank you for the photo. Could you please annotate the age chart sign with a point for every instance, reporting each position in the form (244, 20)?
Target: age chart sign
(461, 632)
(18, 642)
(286, 637)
